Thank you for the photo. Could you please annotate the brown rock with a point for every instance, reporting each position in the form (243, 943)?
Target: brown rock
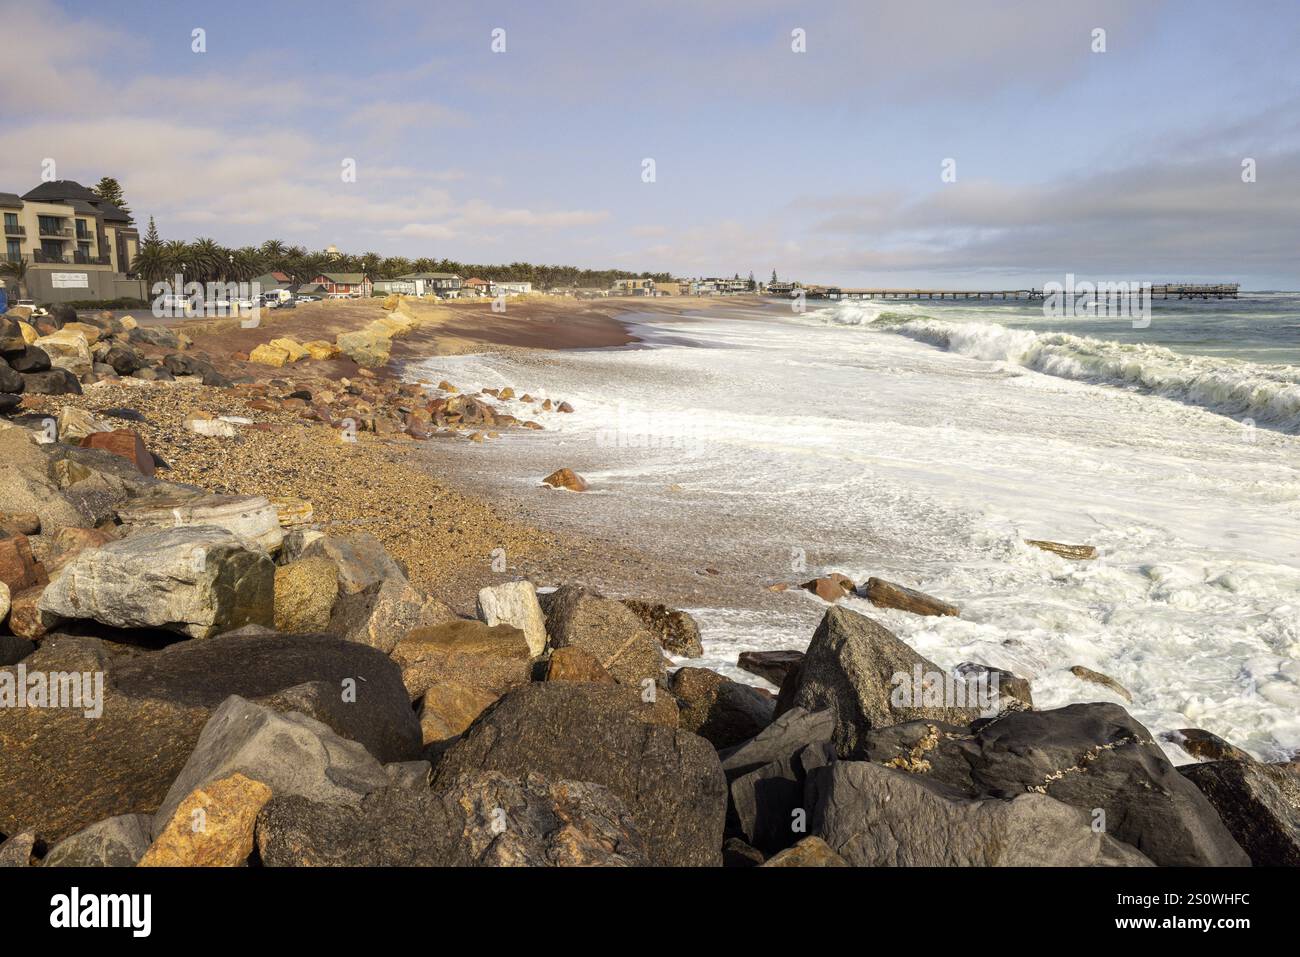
(19, 523)
(675, 630)
(491, 658)
(566, 479)
(1074, 552)
(1205, 746)
(722, 711)
(885, 594)
(449, 707)
(125, 443)
(1097, 678)
(212, 826)
(564, 407)
(18, 566)
(830, 588)
(575, 664)
(26, 620)
(810, 852)
(305, 592)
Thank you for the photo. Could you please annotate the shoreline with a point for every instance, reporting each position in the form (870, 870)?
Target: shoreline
(366, 537)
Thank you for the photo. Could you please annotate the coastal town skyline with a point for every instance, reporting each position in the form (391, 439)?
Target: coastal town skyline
(801, 140)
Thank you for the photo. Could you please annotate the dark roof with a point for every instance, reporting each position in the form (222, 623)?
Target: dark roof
(60, 189)
(70, 191)
(11, 200)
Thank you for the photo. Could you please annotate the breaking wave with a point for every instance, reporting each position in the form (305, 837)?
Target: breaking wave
(1266, 394)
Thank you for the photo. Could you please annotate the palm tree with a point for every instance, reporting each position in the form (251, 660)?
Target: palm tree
(246, 264)
(176, 253)
(209, 260)
(273, 249)
(16, 270)
(151, 262)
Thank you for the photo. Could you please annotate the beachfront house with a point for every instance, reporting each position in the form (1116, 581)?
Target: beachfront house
(634, 287)
(511, 288)
(476, 287)
(444, 285)
(780, 288)
(354, 285)
(76, 245)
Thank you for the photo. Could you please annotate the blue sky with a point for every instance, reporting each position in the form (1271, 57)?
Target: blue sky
(824, 165)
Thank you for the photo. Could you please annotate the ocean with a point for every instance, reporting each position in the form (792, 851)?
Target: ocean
(923, 442)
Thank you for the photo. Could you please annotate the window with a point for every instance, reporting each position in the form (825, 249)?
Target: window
(13, 250)
(50, 225)
(11, 219)
(82, 231)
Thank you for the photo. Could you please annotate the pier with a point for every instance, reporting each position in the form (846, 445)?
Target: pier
(1220, 290)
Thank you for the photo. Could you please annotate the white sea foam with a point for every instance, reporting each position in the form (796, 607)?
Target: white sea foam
(878, 454)
(1266, 395)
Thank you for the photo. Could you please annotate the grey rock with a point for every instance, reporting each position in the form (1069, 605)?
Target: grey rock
(198, 581)
(1258, 803)
(478, 820)
(1089, 756)
(116, 842)
(515, 604)
(155, 705)
(51, 382)
(30, 359)
(767, 804)
(795, 729)
(12, 648)
(249, 516)
(606, 629)
(874, 816)
(409, 774)
(670, 780)
(772, 666)
(384, 613)
(22, 850)
(290, 753)
(853, 666)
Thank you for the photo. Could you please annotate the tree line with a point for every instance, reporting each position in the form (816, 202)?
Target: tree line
(204, 260)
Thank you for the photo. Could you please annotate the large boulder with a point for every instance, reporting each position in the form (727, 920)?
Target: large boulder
(869, 679)
(115, 842)
(608, 630)
(29, 360)
(722, 711)
(874, 816)
(10, 381)
(457, 669)
(515, 604)
(291, 754)
(368, 348)
(1259, 804)
(1093, 757)
(768, 804)
(670, 780)
(198, 581)
(51, 382)
(474, 820)
(382, 613)
(67, 350)
(361, 558)
(155, 705)
(789, 733)
(249, 516)
(212, 826)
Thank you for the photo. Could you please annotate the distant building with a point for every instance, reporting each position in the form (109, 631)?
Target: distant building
(512, 288)
(476, 287)
(77, 245)
(674, 288)
(444, 285)
(634, 287)
(387, 287)
(781, 288)
(353, 284)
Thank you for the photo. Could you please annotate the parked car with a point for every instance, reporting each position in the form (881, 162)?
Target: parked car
(37, 311)
(308, 298)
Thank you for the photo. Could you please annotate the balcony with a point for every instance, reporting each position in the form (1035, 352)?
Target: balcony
(40, 256)
(15, 230)
(89, 259)
(47, 230)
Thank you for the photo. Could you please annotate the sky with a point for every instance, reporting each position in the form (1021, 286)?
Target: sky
(938, 143)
